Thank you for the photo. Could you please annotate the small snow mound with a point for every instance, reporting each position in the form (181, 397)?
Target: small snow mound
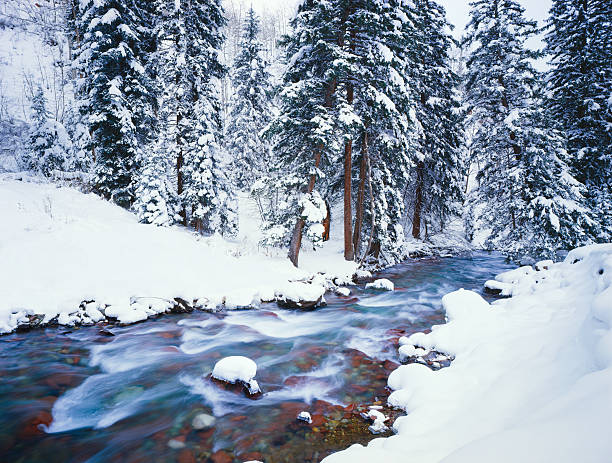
(235, 368)
(381, 283)
(543, 265)
(305, 416)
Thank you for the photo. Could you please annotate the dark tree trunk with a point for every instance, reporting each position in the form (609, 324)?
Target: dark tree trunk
(418, 201)
(296, 237)
(359, 208)
(348, 213)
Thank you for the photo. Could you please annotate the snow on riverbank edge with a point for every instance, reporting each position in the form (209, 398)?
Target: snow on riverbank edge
(71, 258)
(531, 379)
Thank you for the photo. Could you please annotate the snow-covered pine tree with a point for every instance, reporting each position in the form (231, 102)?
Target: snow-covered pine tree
(436, 188)
(250, 107)
(526, 197)
(579, 42)
(116, 92)
(49, 146)
(205, 191)
(156, 201)
(376, 115)
(304, 137)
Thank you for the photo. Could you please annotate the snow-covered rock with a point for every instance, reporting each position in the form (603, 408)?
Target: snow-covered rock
(234, 369)
(305, 416)
(300, 295)
(381, 283)
(498, 288)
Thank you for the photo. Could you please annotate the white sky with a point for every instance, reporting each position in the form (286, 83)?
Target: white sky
(457, 11)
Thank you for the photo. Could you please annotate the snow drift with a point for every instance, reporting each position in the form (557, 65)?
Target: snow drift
(531, 380)
(77, 259)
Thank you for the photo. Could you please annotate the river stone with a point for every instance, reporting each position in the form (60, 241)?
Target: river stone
(203, 421)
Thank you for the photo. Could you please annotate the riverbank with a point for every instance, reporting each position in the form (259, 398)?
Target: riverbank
(530, 380)
(70, 258)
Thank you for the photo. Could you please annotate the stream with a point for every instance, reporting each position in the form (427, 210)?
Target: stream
(111, 393)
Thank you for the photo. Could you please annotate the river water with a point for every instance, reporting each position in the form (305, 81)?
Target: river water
(84, 395)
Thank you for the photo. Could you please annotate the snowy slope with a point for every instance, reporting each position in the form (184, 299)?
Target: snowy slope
(531, 380)
(59, 247)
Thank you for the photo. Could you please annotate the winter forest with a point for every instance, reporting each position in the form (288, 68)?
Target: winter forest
(347, 173)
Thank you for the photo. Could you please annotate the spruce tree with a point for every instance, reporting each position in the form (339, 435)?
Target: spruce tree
(49, 145)
(579, 43)
(303, 134)
(437, 177)
(526, 198)
(378, 119)
(250, 107)
(116, 92)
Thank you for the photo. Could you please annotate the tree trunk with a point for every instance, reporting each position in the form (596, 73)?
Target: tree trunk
(418, 202)
(348, 213)
(296, 237)
(359, 208)
(179, 169)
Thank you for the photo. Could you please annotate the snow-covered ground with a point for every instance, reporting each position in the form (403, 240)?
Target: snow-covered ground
(60, 247)
(531, 379)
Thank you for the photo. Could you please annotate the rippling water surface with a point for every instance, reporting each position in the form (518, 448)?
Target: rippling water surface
(79, 395)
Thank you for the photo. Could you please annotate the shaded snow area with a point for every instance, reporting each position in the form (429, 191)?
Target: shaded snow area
(73, 258)
(531, 378)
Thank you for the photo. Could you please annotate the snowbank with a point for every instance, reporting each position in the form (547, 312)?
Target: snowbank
(531, 380)
(73, 258)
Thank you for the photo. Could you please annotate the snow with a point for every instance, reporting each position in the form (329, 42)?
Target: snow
(531, 378)
(381, 283)
(60, 247)
(235, 368)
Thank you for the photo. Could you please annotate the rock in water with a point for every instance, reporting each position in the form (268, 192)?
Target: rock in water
(203, 421)
(381, 283)
(235, 368)
(238, 370)
(305, 416)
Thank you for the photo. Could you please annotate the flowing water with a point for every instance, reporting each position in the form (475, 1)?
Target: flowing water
(83, 395)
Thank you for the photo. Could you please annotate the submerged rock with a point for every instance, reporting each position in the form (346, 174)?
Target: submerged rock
(203, 421)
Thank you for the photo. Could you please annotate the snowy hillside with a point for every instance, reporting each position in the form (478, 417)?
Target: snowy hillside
(60, 247)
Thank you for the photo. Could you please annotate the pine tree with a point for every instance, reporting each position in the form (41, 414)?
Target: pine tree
(193, 63)
(580, 81)
(49, 144)
(375, 72)
(304, 137)
(116, 92)
(436, 179)
(526, 197)
(250, 108)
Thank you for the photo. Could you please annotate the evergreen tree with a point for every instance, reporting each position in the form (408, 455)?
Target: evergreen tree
(579, 42)
(375, 114)
(116, 92)
(437, 178)
(49, 145)
(193, 67)
(250, 108)
(526, 198)
(305, 141)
